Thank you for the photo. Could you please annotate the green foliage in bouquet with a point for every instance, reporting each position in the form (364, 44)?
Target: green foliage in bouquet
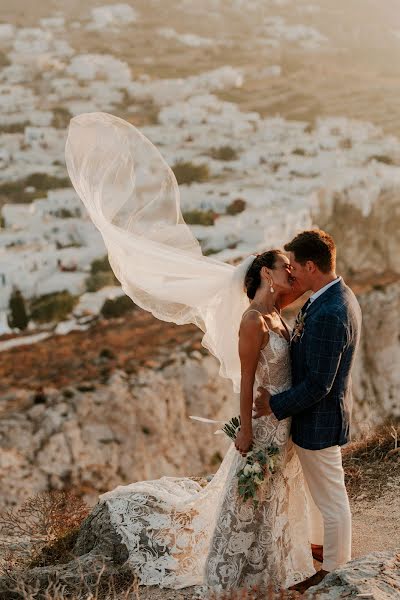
(260, 463)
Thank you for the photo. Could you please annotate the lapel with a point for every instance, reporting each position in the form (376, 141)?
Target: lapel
(329, 294)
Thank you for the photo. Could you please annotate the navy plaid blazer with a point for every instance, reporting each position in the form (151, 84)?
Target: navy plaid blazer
(319, 400)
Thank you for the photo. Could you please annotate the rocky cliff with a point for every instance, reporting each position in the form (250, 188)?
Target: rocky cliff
(117, 410)
(364, 219)
(133, 427)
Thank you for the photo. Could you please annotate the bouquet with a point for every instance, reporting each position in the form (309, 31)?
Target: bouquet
(260, 463)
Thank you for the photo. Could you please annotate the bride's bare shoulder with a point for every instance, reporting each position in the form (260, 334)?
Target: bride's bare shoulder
(253, 321)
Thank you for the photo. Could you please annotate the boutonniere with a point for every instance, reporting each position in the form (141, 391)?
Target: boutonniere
(299, 327)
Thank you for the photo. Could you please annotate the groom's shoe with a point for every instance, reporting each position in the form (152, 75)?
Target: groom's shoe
(307, 583)
(317, 552)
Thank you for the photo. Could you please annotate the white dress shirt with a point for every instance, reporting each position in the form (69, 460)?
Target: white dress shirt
(323, 289)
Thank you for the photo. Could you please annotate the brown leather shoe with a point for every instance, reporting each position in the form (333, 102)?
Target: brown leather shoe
(307, 583)
(317, 552)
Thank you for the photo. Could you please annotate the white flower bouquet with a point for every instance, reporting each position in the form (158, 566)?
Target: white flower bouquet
(260, 463)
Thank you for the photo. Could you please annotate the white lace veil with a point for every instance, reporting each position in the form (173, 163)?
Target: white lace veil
(133, 199)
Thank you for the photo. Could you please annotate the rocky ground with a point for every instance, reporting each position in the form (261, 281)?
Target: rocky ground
(373, 478)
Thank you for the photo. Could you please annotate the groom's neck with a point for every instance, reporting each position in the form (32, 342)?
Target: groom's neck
(322, 280)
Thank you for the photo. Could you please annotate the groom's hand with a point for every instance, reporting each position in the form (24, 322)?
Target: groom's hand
(261, 403)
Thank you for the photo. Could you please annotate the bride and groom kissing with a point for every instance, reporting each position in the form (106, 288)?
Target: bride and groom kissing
(318, 401)
(296, 383)
(294, 386)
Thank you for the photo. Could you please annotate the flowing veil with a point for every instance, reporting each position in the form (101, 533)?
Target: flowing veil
(168, 525)
(133, 199)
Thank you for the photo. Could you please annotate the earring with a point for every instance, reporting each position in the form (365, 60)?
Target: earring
(271, 287)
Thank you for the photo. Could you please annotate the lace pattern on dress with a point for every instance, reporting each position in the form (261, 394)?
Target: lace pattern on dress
(179, 533)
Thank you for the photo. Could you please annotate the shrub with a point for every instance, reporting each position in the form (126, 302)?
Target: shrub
(236, 206)
(211, 251)
(101, 275)
(44, 181)
(61, 117)
(224, 153)
(17, 317)
(100, 265)
(65, 213)
(117, 307)
(382, 158)
(107, 353)
(346, 144)
(200, 217)
(99, 280)
(187, 172)
(15, 191)
(4, 60)
(43, 529)
(14, 127)
(299, 152)
(52, 307)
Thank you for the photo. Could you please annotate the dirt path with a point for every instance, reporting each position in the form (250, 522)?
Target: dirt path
(376, 523)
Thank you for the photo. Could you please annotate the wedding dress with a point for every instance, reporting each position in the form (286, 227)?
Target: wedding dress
(179, 532)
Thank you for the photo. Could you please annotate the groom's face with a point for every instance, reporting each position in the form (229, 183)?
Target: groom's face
(300, 273)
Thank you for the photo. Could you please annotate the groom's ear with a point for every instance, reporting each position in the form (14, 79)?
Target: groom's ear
(311, 266)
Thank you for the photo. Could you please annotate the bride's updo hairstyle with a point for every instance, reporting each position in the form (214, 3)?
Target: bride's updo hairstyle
(252, 281)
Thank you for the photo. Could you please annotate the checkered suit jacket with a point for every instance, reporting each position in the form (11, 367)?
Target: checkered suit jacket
(320, 400)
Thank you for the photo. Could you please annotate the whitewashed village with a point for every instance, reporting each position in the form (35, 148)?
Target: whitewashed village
(254, 180)
(264, 142)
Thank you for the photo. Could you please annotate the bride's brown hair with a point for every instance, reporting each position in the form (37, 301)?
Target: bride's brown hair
(252, 280)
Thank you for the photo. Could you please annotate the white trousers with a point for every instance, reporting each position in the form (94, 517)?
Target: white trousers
(329, 508)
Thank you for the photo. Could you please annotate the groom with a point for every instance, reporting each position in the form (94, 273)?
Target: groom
(323, 347)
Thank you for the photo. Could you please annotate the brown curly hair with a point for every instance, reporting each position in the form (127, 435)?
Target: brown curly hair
(315, 245)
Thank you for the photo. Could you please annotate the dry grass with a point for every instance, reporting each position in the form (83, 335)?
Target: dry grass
(42, 531)
(111, 589)
(254, 594)
(373, 460)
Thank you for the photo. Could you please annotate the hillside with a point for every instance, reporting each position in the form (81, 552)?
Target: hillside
(127, 344)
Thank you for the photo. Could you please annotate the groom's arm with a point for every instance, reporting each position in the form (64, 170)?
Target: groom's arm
(327, 338)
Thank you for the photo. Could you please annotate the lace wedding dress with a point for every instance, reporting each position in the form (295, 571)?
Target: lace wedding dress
(180, 534)
(177, 532)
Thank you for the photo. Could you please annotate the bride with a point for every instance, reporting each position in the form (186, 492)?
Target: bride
(179, 532)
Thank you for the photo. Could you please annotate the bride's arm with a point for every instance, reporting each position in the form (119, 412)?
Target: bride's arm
(251, 337)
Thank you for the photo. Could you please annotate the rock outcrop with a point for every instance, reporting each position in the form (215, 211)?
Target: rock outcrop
(364, 219)
(376, 577)
(99, 555)
(94, 437)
